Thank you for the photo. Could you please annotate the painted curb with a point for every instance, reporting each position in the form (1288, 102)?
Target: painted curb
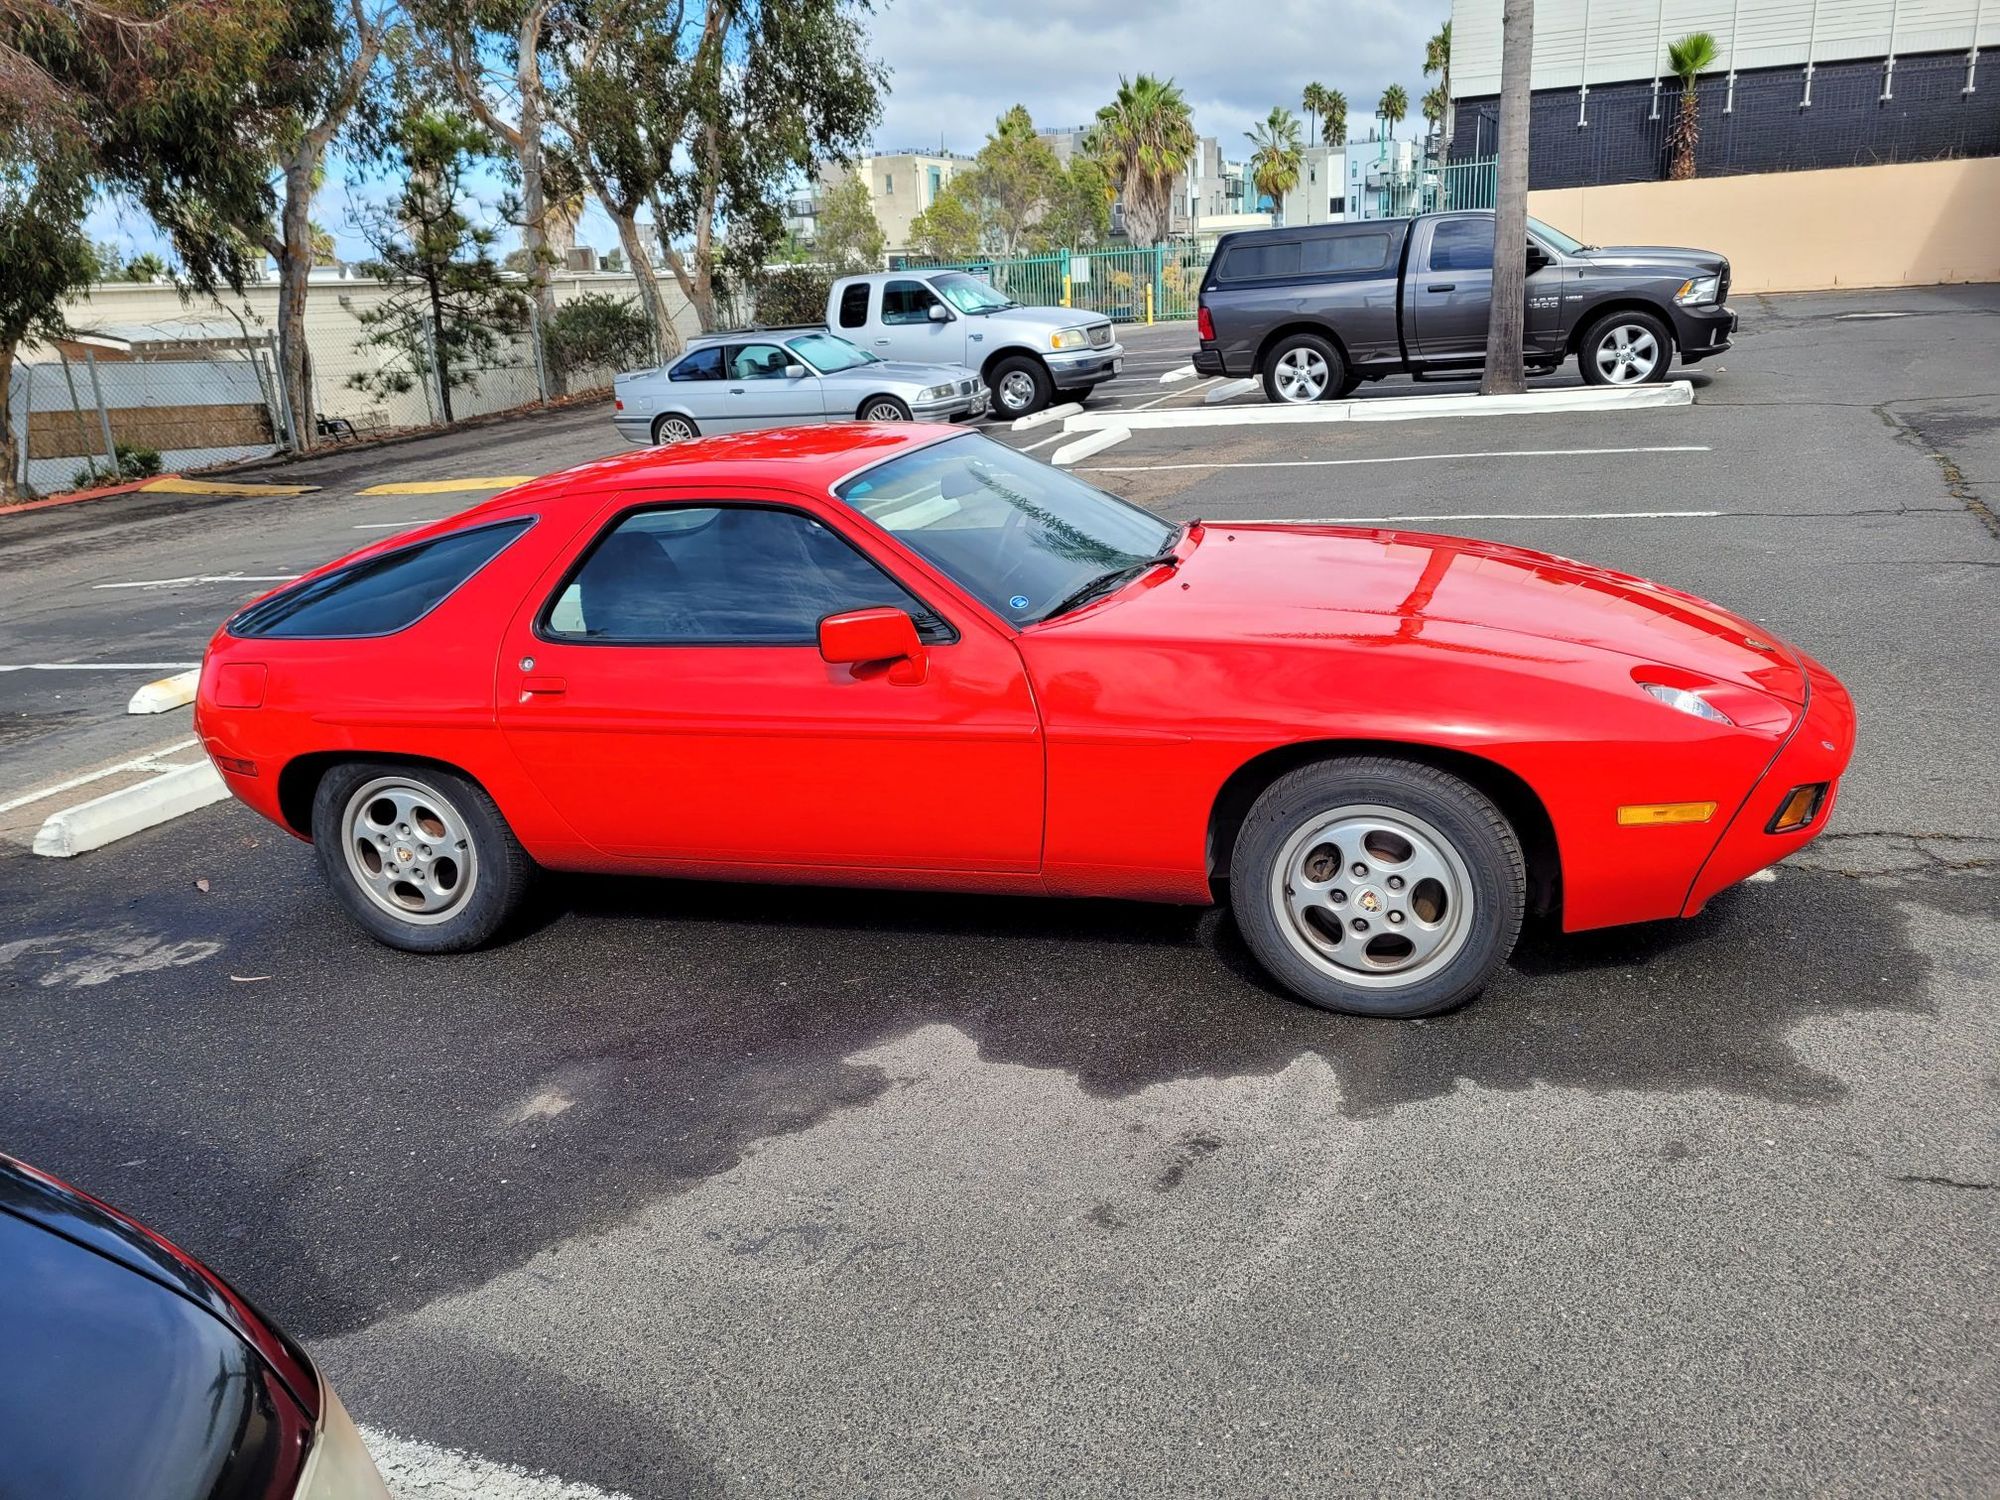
(1097, 442)
(448, 486)
(1184, 372)
(176, 691)
(1399, 408)
(120, 814)
(1229, 390)
(1047, 415)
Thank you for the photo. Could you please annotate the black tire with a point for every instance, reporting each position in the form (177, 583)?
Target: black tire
(492, 871)
(1478, 911)
(882, 409)
(1321, 370)
(1349, 384)
(1610, 325)
(1031, 386)
(660, 423)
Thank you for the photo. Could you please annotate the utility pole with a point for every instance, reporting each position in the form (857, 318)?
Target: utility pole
(1503, 375)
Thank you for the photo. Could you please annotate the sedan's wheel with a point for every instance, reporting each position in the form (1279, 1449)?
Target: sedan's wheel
(674, 428)
(1379, 887)
(884, 409)
(1626, 348)
(1021, 386)
(417, 855)
(1303, 368)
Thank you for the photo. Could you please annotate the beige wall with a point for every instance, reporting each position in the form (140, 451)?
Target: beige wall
(1912, 224)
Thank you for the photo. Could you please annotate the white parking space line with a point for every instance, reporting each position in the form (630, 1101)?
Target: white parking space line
(1399, 458)
(199, 578)
(1175, 395)
(1477, 515)
(424, 1471)
(397, 525)
(1031, 447)
(98, 666)
(150, 761)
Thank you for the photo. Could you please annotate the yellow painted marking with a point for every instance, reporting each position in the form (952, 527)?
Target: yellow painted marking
(173, 484)
(1652, 814)
(448, 486)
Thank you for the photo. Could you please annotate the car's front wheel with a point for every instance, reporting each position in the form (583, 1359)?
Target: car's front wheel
(1377, 887)
(1303, 367)
(1626, 348)
(1021, 386)
(674, 428)
(420, 857)
(883, 409)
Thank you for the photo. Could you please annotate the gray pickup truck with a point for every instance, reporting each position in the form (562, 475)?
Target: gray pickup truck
(1316, 311)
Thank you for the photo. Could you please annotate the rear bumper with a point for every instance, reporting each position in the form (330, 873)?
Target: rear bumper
(1817, 753)
(1702, 331)
(1208, 361)
(1085, 367)
(634, 429)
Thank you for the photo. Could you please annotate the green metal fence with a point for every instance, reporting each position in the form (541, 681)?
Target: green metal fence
(1152, 284)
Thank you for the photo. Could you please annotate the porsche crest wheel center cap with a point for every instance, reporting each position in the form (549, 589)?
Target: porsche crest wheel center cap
(1369, 901)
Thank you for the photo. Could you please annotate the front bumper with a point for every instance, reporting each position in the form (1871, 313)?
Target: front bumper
(1817, 752)
(1702, 331)
(1084, 366)
(952, 408)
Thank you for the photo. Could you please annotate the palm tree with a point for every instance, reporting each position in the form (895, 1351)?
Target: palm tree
(1314, 103)
(1144, 139)
(1394, 106)
(1275, 164)
(1688, 58)
(1433, 105)
(1437, 59)
(1336, 118)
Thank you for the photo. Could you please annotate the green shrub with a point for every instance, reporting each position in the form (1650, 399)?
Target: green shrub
(135, 461)
(793, 294)
(594, 331)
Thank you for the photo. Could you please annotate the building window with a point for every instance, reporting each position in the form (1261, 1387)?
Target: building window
(936, 182)
(889, 183)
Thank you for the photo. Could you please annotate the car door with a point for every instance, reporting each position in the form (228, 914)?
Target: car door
(759, 392)
(664, 690)
(1451, 293)
(905, 329)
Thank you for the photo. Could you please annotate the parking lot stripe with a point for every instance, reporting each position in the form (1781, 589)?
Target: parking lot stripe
(1479, 515)
(97, 666)
(1402, 408)
(147, 762)
(447, 486)
(415, 1470)
(174, 583)
(395, 525)
(1398, 458)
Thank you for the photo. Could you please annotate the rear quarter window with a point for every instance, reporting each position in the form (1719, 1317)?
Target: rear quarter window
(379, 595)
(1347, 252)
(854, 305)
(1323, 255)
(1256, 262)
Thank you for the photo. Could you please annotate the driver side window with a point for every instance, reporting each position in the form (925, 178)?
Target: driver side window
(908, 302)
(757, 362)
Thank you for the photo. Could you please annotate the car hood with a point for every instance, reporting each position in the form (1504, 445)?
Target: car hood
(898, 372)
(1031, 320)
(1666, 257)
(1268, 582)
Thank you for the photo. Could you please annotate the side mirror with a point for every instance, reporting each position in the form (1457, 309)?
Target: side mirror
(795, 372)
(937, 314)
(862, 637)
(1537, 258)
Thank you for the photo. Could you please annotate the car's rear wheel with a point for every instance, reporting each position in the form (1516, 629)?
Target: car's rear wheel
(1626, 348)
(420, 857)
(1021, 386)
(674, 428)
(1301, 368)
(1377, 887)
(883, 409)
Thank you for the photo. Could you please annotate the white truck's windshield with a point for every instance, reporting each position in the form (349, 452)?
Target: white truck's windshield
(828, 354)
(969, 294)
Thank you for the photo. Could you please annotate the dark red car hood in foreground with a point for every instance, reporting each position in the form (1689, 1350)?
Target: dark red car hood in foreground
(1263, 580)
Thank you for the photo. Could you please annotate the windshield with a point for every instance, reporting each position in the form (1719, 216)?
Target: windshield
(828, 354)
(969, 294)
(1555, 238)
(1021, 537)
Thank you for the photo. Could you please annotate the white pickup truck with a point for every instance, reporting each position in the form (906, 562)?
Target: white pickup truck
(1025, 354)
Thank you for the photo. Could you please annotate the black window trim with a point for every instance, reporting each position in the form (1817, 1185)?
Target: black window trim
(523, 524)
(944, 633)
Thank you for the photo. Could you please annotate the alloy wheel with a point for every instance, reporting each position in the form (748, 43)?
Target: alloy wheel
(1017, 390)
(1302, 375)
(1373, 896)
(409, 849)
(1627, 354)
(883, 411)
(673, 430)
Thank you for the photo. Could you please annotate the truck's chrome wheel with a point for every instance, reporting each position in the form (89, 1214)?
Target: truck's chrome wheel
(1373, 896)
(1627, 354)
(409, 849)
(1302, 375)
(1016, 391)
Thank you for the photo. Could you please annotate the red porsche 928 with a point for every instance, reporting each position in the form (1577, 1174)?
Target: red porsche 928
(910, 657)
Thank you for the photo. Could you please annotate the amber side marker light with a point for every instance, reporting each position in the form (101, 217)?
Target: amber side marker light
(1800, 807)
(236, 764)
(1652, 814)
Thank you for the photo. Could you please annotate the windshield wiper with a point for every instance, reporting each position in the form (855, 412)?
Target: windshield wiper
(1104, 583)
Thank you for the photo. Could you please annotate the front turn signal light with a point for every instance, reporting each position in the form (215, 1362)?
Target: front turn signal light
(1800, 807)
(1655, 814)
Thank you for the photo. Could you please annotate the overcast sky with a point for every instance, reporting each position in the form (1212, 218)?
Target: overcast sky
(955, 65)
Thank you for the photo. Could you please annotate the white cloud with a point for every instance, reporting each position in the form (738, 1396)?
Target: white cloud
(956, 66)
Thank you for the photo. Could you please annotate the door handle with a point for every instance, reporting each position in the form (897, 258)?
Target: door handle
(736, 390)
(1442, 286)
(883, 342)
(542, 687)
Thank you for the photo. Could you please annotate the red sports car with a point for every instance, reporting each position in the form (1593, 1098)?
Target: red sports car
(908, 656)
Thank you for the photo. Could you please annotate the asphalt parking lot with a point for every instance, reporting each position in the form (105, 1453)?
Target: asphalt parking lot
(700, 1190)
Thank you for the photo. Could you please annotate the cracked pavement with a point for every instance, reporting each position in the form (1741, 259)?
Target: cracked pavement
(725, 1191)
